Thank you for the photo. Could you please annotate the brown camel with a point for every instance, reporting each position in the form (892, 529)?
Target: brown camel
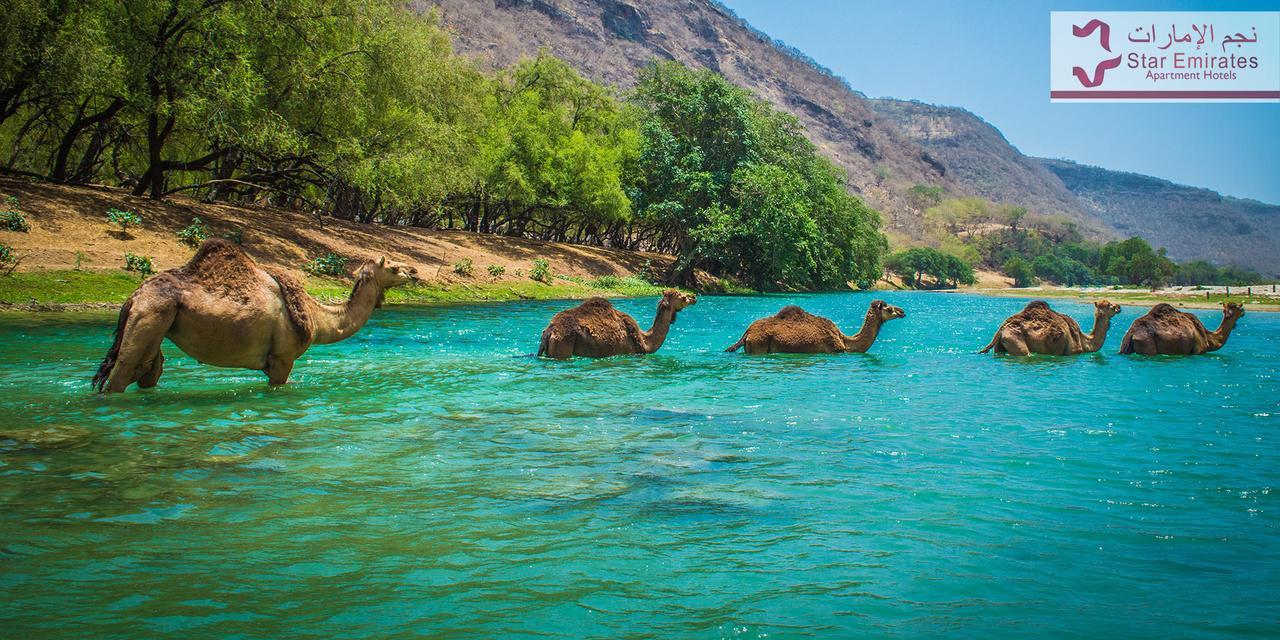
(794, 330)
(224, 310)
(596, 330)
(1165, 330)
(1039, 329)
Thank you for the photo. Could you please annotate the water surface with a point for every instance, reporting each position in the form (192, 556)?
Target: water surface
(429, 477)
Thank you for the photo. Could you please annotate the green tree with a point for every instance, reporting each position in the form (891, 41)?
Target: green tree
(1020, 270)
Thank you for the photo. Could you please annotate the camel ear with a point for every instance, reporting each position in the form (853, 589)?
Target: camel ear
(382, 262)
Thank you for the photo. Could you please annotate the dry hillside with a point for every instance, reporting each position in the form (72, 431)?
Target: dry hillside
(68, 224)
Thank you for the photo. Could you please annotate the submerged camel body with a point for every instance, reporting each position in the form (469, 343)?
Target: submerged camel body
(224, 310)
(794, 330)
(597, 330)
(1039, 329)
(1167, 331)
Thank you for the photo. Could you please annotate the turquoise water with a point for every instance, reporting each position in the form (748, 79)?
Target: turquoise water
(429, 477)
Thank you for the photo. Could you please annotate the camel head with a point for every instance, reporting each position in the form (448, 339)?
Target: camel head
(1233, 310)
(1106, 308)
(676, 300)
(387, 273)
(885, 311)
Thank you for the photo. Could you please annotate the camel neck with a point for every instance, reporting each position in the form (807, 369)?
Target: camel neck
(1101, 323)
(657, 334)
(1219, 337)
(339, 322)
(863, 339)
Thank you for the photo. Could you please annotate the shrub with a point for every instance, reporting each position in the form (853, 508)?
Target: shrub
(194, 234)
(497, 270)
(463, 267)
(1020, 270)
(8, 259)
(123, 218)
(331, 264)
(607, 282)
(12, 219)
(541, 271)
(141, 264)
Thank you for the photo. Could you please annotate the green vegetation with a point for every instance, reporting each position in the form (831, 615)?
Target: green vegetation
(68, 287)
(123, 219)
(1029, 247)
(496, 270)
(541, 271)
(731, 186)
(194, 233)
(463, 267)
(140, 264)
(331, 264)
(359, 109)
(8, 259)
(945, 269)
(12, 219)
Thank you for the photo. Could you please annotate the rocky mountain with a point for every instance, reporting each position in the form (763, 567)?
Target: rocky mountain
(982, 162)
(1192, 223)
(610, 40)
(884, 145)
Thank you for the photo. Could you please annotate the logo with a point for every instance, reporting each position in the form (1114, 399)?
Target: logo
(1104, 38)
(1184, 56)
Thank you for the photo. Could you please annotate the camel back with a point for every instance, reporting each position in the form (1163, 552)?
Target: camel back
(222, 268)
(1165, 317)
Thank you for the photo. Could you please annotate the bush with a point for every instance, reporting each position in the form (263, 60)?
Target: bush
(497, 270)
(463, 267)
(12, 219)
(123, 218)
(913, 264)
(607, 282)
(1020, 270)
(8, 259)
(332, 265)
(541, 271)
(194, 234)
(141, 264)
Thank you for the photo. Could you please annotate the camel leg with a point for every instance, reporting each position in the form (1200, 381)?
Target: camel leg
(140, 347)
(151, 376)
(560, 348)
(277, 370)
(1015, 346)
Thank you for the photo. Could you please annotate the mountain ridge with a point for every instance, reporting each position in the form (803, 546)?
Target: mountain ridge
(884, 145)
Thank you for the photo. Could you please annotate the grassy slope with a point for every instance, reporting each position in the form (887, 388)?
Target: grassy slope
(37, 288)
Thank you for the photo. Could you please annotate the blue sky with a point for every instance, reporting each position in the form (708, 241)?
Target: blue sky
(928, 50)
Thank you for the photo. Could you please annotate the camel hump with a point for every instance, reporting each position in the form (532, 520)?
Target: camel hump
(791, 312)
(1163, 309)
(1037, 305)
(295, 297)
(596, 303)
(222, 262)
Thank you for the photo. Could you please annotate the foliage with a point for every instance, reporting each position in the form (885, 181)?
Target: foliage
(1135, 262)
(8, 259)
(194, 233)
(733, 187)
(924, 196)
(496, 270)
(1199, 272)
(140, 264)
(541, 271)
(123, 219)
(330, 264)
(1020, 270)
(12, 219)
(463, 267)
(916, 263)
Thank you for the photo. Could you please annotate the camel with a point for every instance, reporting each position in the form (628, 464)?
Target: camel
(794, 330)
(226, 311)
(1039, 329)
(1165, 330)
(596, 330)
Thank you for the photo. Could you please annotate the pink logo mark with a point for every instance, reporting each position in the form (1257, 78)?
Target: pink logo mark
(1104, 38)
